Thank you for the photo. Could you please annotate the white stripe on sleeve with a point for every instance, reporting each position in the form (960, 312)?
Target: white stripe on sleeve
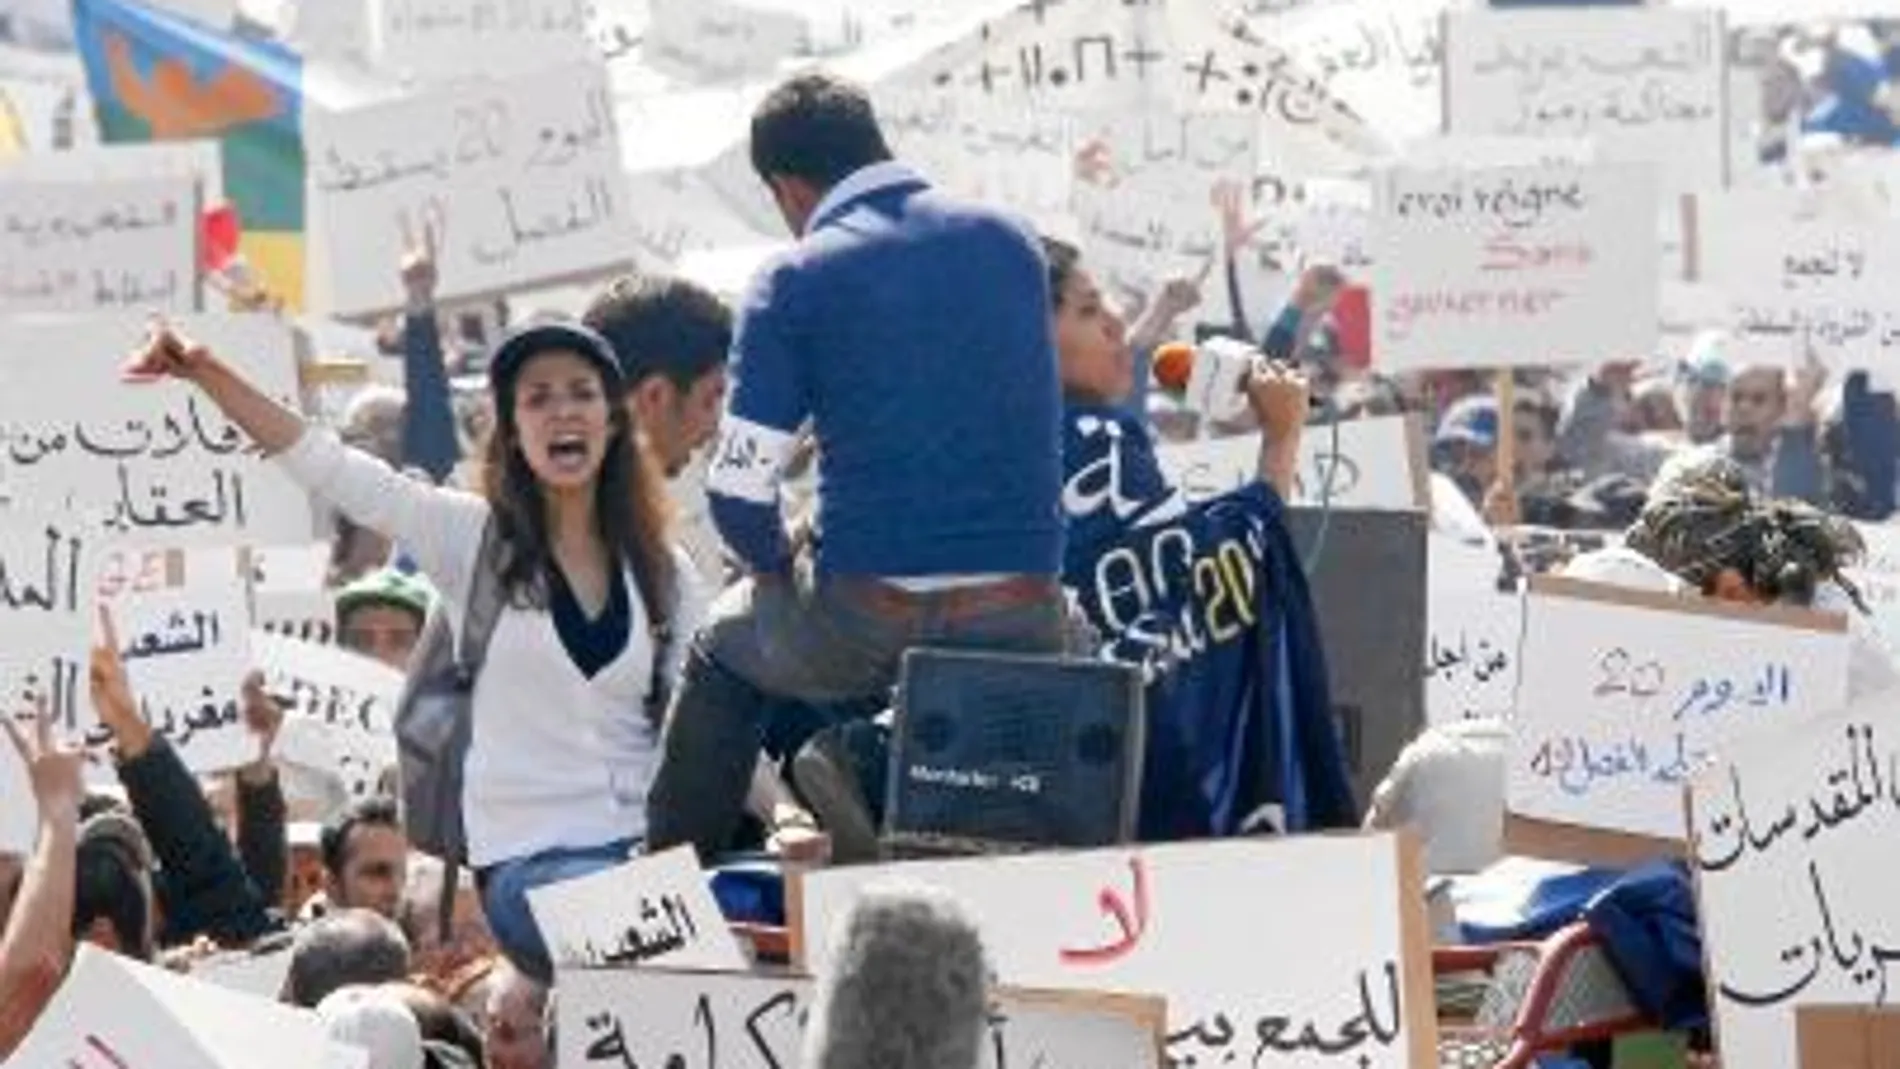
(749, 460)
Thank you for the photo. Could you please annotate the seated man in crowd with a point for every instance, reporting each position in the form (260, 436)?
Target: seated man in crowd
(912, 330)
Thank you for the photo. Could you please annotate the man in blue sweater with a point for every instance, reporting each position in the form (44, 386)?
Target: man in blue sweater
(912, 332)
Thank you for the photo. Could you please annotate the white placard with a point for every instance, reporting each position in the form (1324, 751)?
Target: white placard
(1325, 232)
(654, 910)
(289, 594)
(1017, 156)
(1376, 464)
(1878, 577)
(1800, 278)
(48, 574)
(662, 1017)
(710, 41)
(104, 244)
(1777, 14)
(1623, 695)
(521, 179)
(157, 461)
(186, 646)
(1151, 920)
(217, 14)
(1181, 57)
(465, 40)
(1642, 83)
(1449, 151)
(1513, 266)
(115, 1013)
(1150, 216)
(1793, 833)
(340, 706)
(681, 216)
(1379, 57)
(1065, 54)
(199, 161)
(1471, 650)
(261, 975)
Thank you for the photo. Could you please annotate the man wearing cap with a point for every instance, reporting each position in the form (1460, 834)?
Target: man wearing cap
(381, 615)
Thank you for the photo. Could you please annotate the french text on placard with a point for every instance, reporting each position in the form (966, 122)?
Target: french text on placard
(1513, 266)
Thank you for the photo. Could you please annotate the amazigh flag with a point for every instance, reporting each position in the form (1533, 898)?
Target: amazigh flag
(159, 76)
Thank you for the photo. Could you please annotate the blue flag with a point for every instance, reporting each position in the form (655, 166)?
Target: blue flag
(1211, 602)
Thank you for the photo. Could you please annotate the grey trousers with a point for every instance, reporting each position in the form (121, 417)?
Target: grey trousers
(820, 642)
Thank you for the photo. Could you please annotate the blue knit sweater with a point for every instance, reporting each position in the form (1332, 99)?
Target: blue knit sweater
(914, 331)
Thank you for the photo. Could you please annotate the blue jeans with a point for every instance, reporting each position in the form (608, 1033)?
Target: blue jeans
(505, 886)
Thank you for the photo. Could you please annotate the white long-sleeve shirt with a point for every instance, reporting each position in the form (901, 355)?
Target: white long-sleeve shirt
(557, 759)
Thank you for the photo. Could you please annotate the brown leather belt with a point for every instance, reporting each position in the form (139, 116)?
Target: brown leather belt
(886, 598)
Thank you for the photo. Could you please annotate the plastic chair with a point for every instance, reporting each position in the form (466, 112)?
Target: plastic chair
(1541, 998)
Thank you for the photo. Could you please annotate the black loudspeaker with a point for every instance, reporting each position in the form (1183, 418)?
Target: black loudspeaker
(998, 751)
(1368, 585)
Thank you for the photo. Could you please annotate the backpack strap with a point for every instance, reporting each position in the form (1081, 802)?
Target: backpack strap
(483, 609)
(485, 602)
(660, 631)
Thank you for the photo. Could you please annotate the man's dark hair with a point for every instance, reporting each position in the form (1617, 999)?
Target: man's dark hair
(106, 884)
(377, 811)
(354, 946)
(662, 325)
(818, 128)
(1064, 261)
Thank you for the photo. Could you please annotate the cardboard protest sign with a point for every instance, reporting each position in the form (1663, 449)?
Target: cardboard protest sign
(340, 708)
(1380, 58)
(1376, 464)
(288, 593)
(1471, 653)
(1513, 266)
(102, 244)
(159, 464)
(115, 1013)
(654, 910)
(1623, 695)
(1151, 919)
(184, 622)
(1641, 83)
(48, 579)
(711, 41)
(1148, 214)
(1799, 278)
(1792, 833)
(437, 41)
(657, 1017)
(519, 182)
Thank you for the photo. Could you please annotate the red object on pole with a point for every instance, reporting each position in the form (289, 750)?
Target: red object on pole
(219, 233)
(1352, 319)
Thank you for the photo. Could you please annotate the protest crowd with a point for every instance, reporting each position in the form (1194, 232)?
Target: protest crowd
(948, 534)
